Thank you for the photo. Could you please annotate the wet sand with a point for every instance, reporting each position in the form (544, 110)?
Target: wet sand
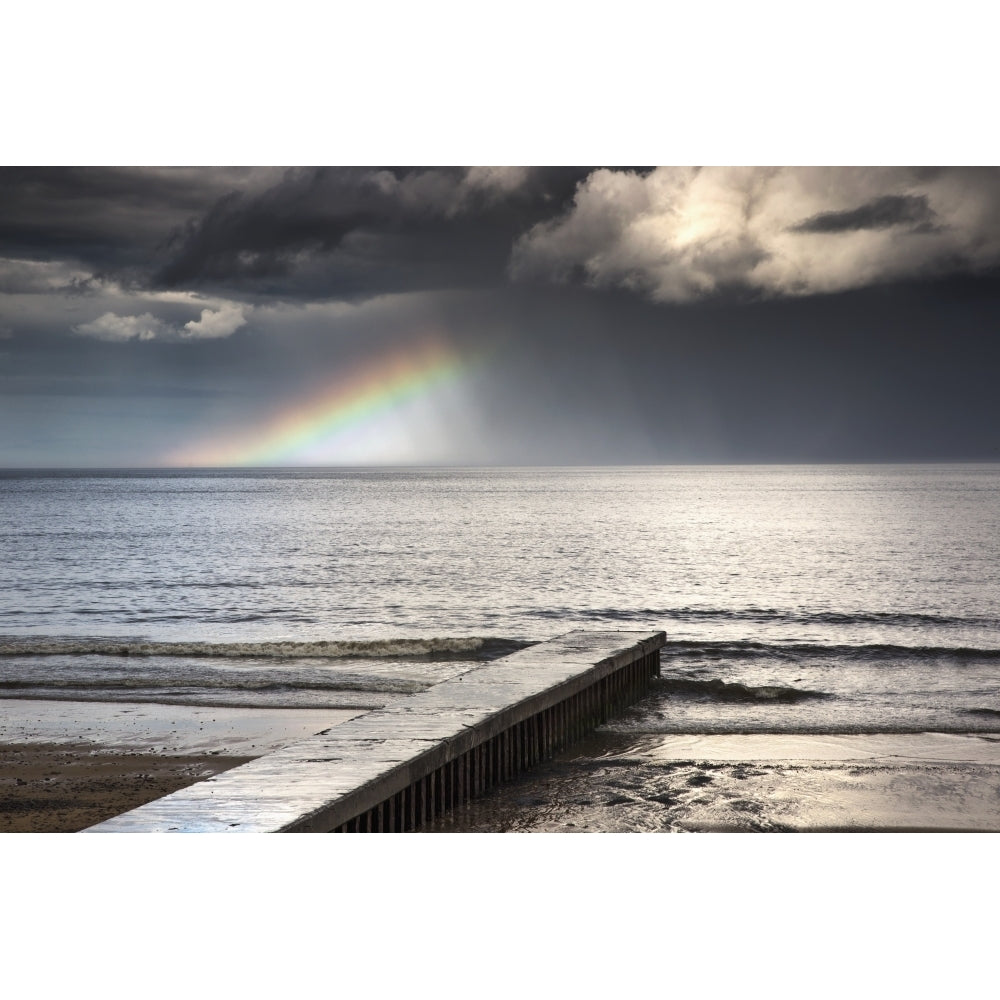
(64, 788)
(67, 765)
(759, 783)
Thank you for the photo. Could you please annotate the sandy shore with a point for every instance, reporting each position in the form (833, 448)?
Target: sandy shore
(755, 783)
(67, 765)
(65, 787)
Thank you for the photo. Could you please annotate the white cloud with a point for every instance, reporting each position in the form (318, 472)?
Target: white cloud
(678, 234)
(120, 328)
(215, 323)
(112, 327)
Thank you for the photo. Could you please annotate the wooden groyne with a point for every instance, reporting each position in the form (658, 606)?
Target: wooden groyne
(399, 767)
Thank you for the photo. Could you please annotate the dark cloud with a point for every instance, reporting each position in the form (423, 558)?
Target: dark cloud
(144, 308)
(110, 218)
(296, 232)
(324, 232)
(881, 213)
(237, 240)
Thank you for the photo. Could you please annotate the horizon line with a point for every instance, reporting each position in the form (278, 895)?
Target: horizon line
(181, 469)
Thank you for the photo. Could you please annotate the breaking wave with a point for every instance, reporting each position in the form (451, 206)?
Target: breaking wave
(763, 616)
(868, 652)
(719, 690)
(446, 648)
(221, 682)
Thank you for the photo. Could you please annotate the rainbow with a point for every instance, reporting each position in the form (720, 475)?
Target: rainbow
(317, 428)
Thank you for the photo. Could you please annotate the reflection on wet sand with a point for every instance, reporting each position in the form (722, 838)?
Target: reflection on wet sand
(66, 765)
(756, 783)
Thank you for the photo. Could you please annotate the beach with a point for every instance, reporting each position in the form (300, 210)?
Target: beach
(66, 787)
(806, 784)
(66, 765)
(752, 784)
(174, 623)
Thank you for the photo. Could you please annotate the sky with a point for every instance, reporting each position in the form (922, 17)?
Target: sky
(214, 316)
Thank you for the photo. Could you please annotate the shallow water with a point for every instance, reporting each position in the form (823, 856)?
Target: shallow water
(794, 598)
(751, 784)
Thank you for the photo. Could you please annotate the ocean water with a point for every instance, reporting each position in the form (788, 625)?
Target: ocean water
(794, 598)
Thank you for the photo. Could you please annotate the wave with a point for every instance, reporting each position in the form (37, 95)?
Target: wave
(470, 648)
(355, 701)
(865, 652)
(446, 648)
(767, 616)
(719, 690)
(343, 682)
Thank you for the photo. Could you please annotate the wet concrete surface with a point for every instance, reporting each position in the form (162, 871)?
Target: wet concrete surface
(331, 778)
(66, 787)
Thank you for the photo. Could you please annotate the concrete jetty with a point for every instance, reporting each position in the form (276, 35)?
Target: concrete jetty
(398, 767)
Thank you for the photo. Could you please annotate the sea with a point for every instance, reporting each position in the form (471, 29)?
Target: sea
(795, 599)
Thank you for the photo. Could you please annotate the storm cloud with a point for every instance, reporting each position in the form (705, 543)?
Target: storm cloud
(592, 315)
(684, 234)
(323, 233)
